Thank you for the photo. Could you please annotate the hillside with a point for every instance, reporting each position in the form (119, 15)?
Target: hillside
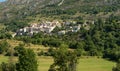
(21, 9)
(96, 41)
(63, 30)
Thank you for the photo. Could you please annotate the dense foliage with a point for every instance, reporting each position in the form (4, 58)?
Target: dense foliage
(8, 67)
(15, 25)
(117, 68)
(27, 60)
(4, 46)
(64, 60)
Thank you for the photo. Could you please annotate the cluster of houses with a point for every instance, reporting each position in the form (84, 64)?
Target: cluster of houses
(48, 27)
(75, 28)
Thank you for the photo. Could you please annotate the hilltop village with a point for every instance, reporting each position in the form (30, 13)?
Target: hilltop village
(49, 26)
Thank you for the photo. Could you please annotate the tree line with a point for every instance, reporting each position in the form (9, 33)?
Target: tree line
(64, 60)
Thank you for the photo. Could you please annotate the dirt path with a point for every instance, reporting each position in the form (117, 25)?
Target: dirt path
(61, 3)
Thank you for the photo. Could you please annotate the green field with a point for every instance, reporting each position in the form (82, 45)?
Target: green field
(94, 64)
(85, 64)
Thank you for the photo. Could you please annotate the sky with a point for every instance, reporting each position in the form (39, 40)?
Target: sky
(2, 0)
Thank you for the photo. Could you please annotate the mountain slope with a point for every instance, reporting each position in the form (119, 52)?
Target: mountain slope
(89, 9)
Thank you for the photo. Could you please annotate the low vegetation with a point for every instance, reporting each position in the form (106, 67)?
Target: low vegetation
(85, 63)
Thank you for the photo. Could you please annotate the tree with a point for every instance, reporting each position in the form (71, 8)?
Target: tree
(117, 68)
(27, 60)
(8, 67)
(64, 60)
(72, 62)
(4, 46)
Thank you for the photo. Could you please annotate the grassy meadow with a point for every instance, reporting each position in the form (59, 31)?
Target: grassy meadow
(85, 64)
(94, 64)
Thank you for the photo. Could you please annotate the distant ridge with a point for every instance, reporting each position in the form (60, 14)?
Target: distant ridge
(90, 9)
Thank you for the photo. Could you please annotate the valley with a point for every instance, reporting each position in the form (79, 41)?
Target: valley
(60, 35)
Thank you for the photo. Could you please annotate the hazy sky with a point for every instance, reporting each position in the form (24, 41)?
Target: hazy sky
(2, 0)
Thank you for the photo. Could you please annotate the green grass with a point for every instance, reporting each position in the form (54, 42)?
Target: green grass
(94, 64)
(3, 59)
(1, 26)
(44, 63)
(85, 64)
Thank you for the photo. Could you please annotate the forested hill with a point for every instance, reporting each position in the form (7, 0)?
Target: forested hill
(102, 39)
(89, 9)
